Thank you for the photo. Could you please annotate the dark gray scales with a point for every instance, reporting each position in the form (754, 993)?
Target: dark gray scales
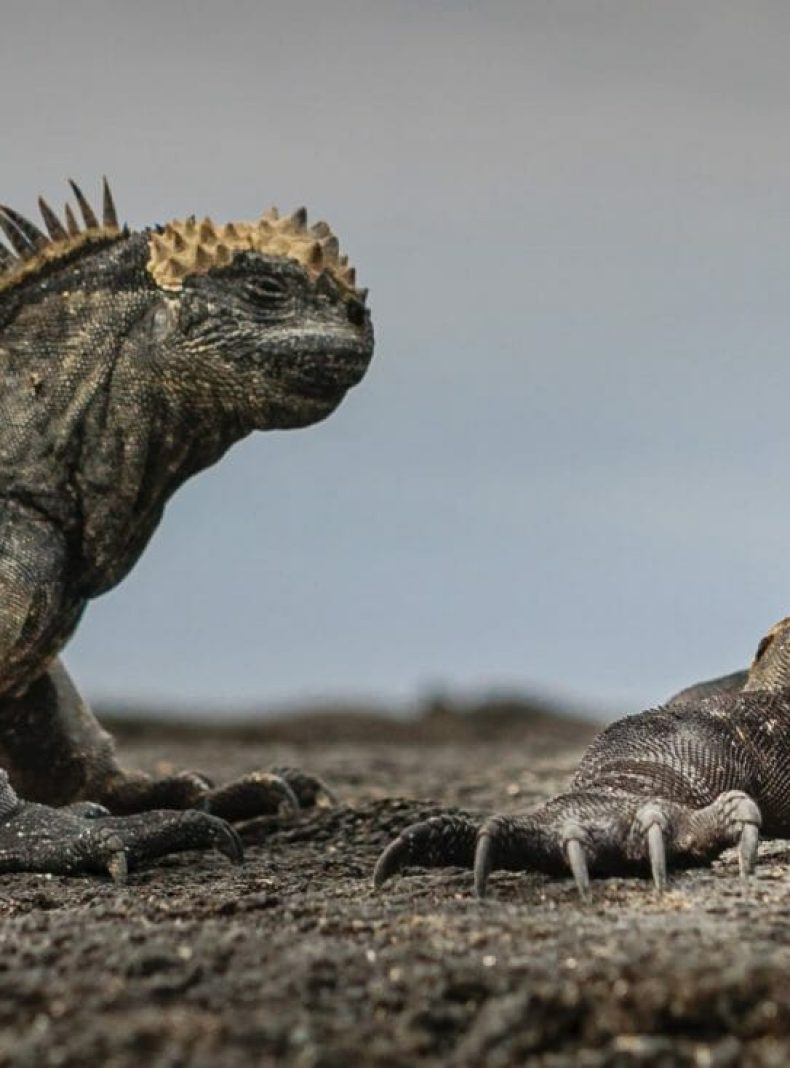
(673, 786)
(129, 361)
(86, 837)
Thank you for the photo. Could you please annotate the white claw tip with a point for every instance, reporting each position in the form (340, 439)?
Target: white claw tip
(747, 849)
(578, 864)
(658, 858)
(118, 867)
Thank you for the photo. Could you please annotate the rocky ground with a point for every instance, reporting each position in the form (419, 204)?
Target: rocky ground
(291, 960)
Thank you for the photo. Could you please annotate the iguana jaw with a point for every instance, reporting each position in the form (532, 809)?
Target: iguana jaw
(313, 383)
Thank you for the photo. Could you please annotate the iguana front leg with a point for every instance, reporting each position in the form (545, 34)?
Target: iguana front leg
(56, 752)
(672, 786)
(51, 748)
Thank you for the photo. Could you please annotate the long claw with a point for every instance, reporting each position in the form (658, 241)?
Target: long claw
(658, 856)
(747, 849)
(108, 849)
(391, 861)
(578, 864)
(287, 793)
(483, 861)
(227, 840)
(306, 787)
(254, 794)
(328, 793)
(118, 867)
(440, 841)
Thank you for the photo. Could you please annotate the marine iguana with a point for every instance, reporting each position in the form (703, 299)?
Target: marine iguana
(674, 785)
(128, 362)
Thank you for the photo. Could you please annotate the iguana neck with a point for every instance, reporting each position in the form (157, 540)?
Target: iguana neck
(150, 442)
(105, 437)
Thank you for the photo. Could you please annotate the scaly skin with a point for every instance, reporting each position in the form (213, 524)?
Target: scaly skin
(129, 362)
(86, 837)
(672, 786)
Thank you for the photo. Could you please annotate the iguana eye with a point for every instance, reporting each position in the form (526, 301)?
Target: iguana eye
(265, 298)
(264, 290)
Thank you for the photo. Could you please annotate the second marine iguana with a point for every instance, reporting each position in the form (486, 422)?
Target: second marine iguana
(129, 361)
(673, 786)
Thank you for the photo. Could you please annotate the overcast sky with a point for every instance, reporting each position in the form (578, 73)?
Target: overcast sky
(567, 467)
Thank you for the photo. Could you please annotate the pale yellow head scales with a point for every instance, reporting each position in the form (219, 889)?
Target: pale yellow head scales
(189, 247)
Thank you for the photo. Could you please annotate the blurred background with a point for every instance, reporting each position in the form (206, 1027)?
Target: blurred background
(566, 471)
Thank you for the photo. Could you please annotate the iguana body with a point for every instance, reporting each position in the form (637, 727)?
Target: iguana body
(673, 785)
(128, 362)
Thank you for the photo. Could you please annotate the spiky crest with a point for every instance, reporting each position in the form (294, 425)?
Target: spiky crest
(187, 247)
(34, 250)
(178, 250)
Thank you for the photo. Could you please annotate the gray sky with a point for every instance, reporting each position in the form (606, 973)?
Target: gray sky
(567, 467)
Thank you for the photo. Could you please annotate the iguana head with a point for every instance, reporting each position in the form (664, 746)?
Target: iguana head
(770, 669)
(260, 321)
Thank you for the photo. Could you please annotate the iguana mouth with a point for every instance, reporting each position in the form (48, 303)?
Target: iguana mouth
(329, 389)
(325, 362)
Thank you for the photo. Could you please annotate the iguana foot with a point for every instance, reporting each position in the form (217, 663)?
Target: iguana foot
(583, 832)
(259, 793)
(84, 837)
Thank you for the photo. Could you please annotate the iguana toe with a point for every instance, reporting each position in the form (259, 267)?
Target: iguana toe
(258, 793)
(148, 835)
(83, 838)
(307, 788)
(582, 833)
(441, 841)
(255, 794)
